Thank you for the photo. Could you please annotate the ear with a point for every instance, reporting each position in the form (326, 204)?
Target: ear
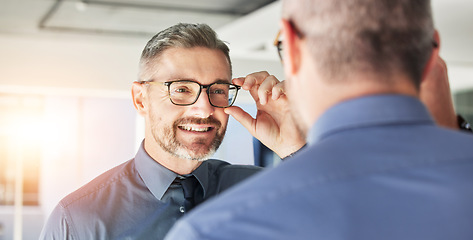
(433, 56)
(292, 48)
(138, 93)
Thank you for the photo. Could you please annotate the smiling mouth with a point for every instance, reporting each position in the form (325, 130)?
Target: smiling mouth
(196, 129)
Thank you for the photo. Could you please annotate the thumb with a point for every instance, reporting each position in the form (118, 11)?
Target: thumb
(243, 117)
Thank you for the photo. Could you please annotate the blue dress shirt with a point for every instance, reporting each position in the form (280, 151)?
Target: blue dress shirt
(375, 167)
(135, 200)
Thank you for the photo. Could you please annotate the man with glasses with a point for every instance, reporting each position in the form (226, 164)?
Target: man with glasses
(183, 92)
(376, 166)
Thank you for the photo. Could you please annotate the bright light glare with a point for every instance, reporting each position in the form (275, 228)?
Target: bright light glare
(26, 128)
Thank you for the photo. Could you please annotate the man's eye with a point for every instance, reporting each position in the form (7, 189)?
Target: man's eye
(181, 90)
(219, 91)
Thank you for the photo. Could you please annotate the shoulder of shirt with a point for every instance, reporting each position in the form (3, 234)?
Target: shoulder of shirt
(228, 175)
(101, 182)
(222, 166)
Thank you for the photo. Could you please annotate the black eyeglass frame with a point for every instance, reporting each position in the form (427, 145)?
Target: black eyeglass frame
(278, 43)
(201, 86)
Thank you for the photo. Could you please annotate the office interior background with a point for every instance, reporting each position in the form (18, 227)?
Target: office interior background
(66, 68)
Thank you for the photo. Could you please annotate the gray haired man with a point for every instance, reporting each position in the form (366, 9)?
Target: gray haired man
(183, 91)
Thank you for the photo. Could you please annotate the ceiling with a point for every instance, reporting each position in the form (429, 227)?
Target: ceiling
(118, 17)
(141, 17)
(248, 25)
(233, 19)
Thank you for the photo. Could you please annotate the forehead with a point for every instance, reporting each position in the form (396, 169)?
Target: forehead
(200, 64)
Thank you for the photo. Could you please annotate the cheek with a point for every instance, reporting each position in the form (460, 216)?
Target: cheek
(289, 84)
(295, 94)
(164, 112)
(222, 117)
(169, 115)
(291, 92)
(158, 98)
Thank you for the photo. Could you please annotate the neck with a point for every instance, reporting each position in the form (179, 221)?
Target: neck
(334, 93)
(168, 160)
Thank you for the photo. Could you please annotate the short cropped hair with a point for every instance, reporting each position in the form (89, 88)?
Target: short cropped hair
(182, 35)
(380, 36)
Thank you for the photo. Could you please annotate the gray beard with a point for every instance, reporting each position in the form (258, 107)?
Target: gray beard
(167, 140)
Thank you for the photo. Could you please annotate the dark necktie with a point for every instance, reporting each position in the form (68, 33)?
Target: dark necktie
(192, 192)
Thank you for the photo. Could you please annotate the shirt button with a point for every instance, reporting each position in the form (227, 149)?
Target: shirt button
(182, 209)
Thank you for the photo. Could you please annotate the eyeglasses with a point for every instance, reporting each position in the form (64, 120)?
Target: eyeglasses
(278, 43)
(186, 92)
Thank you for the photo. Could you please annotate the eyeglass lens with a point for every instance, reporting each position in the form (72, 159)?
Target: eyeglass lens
(186, 93)
(280, 50)
(278, 44)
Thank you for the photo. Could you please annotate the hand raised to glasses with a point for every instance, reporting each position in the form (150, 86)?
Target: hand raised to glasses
(273, 124)
(435, 94)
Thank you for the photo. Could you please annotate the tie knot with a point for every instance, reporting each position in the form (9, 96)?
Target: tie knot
(189, 186)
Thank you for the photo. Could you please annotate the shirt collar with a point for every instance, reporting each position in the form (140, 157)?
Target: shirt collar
(369, 111)
(155, 176)
(158, 178)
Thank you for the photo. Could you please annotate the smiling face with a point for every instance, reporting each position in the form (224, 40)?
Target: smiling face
(186, 132)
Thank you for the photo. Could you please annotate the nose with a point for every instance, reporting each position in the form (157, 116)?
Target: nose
(202, 108)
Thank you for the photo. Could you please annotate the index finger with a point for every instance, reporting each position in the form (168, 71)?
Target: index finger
(251, 80)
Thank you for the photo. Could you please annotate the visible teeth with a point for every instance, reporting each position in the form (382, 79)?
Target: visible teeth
(196, 129)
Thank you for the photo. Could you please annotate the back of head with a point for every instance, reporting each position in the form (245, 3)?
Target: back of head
(182, 35)
(383, 37)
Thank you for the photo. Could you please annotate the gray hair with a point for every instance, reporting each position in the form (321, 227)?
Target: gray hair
(380, 36)
(182, 35)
